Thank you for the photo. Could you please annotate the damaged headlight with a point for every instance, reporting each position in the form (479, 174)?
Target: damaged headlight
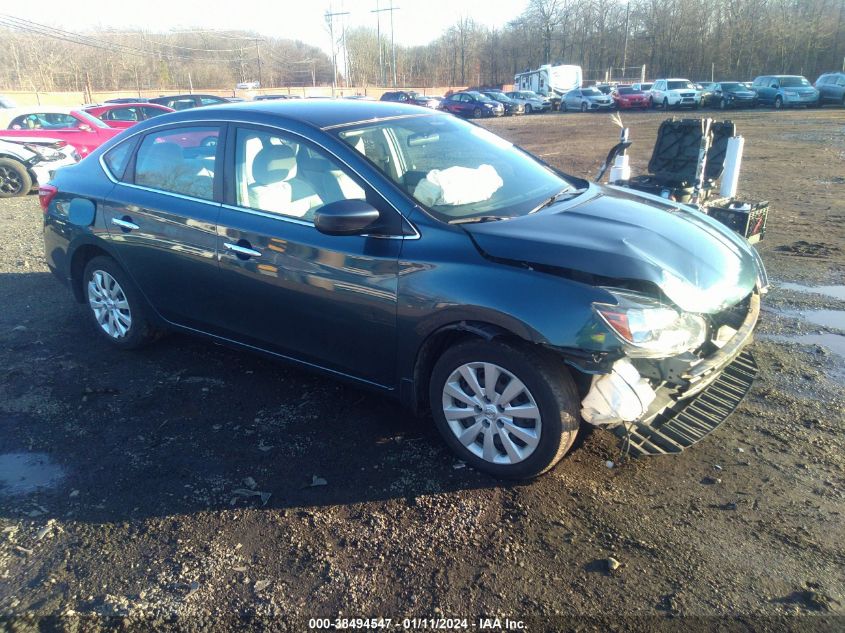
(649, 328)
(44, 152)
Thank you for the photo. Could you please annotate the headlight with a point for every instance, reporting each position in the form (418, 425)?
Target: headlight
(44, 152)
(649, 328)
(489, 105)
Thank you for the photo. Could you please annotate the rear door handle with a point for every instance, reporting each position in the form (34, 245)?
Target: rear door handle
(125, 224)
(242, 250)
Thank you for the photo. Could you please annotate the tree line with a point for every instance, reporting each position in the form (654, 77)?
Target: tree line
(726, 39)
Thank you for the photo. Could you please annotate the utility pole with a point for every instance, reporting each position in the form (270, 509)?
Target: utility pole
(625, 47)
(330, 19)
(378, 13)
(258, 56)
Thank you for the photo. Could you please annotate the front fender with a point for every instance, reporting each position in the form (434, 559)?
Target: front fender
(455, 283)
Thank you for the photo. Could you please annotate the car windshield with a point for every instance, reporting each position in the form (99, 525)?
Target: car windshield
(626, 90)
(646, 86)
(793, 82)
(480, 97)
(680, 85)
(591, 92)
(453, 168)
(498, 96)
(527, 94)
(733, 87)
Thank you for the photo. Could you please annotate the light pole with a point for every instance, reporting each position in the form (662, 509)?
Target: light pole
(625, 47)
(378, 12)
(330, 19)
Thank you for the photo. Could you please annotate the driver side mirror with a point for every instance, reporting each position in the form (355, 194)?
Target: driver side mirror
(346, 217)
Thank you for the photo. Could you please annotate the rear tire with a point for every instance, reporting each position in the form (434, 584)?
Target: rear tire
(14, 178)
(536, 384)
(115, 306)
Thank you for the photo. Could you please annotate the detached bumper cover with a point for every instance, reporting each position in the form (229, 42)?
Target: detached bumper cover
(690, 420)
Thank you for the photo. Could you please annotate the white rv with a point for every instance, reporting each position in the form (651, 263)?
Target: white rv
(549, 81)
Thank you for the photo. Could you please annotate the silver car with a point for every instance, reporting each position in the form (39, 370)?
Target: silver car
(531, 100)
(587, 100)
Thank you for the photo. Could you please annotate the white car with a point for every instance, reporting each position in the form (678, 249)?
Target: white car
(248, 85)
(675, 93)
(26, 163)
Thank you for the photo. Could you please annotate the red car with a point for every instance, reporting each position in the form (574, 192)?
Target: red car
(627, 98)
(76, 127)
(124, 115)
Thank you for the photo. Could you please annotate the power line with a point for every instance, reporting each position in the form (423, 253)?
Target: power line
(29, 26)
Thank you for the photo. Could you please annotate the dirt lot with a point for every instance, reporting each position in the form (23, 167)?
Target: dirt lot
(192, 486)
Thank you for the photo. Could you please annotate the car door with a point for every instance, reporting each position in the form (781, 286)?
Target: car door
(161, 218)
(326, 300)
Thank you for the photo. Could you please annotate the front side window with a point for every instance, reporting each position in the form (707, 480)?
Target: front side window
(179, 160)
(453, 168)
(44, 121)
(151, 112)
(279, 174)
(211, 100)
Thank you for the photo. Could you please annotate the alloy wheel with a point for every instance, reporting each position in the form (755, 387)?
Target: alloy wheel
(492, 413)
(109, 304)
(11, 182)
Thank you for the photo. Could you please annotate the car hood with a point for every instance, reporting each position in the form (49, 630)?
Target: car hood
(742, 94)
(699, 264)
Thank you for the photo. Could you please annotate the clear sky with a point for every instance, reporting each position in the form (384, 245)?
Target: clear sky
(414, 21)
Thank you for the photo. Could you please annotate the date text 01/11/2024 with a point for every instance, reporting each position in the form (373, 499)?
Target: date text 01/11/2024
(417, 624)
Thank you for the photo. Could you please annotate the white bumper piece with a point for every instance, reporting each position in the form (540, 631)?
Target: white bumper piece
(620, 396)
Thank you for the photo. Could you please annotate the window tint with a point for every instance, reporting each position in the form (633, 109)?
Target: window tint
(44, 121)
(211, 100)
(179, 160)
(151, 112)
(117, 158)
(281, 175)
(122, 114)
(181, 104)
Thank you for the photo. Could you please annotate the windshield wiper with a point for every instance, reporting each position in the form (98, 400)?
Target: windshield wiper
(550, 201)
(480, 218)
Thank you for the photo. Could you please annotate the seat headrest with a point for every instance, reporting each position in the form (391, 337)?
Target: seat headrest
(273, 164)
(162, 155)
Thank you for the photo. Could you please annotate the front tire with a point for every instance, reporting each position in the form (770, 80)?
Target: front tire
(528, 108)
(115, 305)
(666, 104)
(510, 411)
(476, 114)
(778, 103)
(583, 107)
(14, 178)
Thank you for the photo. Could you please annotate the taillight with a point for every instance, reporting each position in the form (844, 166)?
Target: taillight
(46, 193)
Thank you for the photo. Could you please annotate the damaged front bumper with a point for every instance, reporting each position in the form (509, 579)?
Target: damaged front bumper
(679, 402)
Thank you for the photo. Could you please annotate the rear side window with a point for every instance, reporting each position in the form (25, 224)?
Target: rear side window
(117, 158)
(180, 160)
(122, 114)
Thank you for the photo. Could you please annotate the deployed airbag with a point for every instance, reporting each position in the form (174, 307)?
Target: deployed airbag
(458, 185)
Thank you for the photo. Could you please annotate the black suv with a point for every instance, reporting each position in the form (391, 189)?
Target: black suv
(186, 102)
(831, 87)
(411, 97)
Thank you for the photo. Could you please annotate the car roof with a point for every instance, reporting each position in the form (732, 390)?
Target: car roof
(319, 113)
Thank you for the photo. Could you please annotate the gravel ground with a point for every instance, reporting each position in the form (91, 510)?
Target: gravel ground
(189, 486)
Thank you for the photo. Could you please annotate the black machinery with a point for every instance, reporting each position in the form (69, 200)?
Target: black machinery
(689, 159)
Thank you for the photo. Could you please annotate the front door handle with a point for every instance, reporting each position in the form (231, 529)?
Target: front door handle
(125, 224)
(242, 250)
